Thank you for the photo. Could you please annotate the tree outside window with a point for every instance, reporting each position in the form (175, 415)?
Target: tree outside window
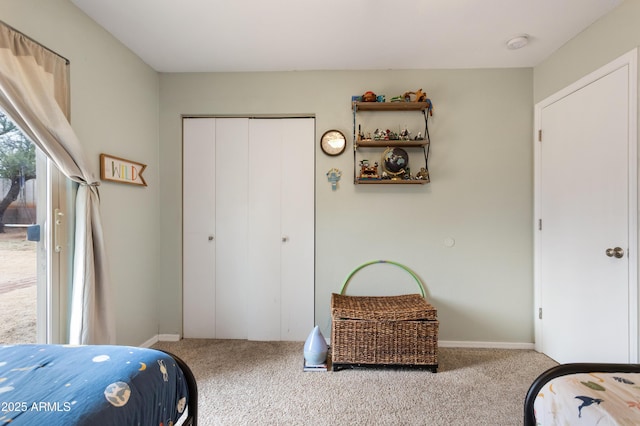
(17, 163)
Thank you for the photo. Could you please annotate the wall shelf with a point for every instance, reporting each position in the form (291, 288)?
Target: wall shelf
(358, 142)
(390, 106)
(390, 182)
(371, 143)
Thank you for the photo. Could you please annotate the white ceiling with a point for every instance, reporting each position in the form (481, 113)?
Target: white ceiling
(287, 35)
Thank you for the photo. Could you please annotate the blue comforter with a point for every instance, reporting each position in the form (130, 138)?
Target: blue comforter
(89, 385)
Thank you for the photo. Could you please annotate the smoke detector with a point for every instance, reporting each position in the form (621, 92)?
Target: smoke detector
(518, 42)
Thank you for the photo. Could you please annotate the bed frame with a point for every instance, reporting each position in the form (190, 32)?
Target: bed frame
(564, 370)
(192, 419)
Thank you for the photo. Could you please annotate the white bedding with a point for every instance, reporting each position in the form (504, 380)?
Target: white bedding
(590, 399)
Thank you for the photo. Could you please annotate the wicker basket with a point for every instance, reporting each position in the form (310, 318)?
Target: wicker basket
(384, 330)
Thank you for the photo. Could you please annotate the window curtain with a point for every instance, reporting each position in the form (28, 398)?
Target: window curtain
(34, 92)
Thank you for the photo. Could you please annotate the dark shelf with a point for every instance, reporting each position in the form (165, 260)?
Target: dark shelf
(390, 182)
(395, 144)
(390, 106)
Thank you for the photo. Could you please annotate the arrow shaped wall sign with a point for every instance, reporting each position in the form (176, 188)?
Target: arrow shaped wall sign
(117, 169)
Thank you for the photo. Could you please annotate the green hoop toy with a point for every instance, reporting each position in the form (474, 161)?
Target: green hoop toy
(373, 262)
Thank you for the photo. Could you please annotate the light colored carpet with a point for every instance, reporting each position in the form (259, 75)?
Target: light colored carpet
(262, 383)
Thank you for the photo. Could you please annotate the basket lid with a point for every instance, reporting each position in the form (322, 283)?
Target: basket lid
(392, 308)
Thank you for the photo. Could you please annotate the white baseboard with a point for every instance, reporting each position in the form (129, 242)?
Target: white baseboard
(169, 337)
(441, 343)
(485, 345)
(161, 338)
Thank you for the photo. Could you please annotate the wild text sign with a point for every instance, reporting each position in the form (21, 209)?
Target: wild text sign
(120, 170)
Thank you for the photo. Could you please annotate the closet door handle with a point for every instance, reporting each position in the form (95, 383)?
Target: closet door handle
(211, 238)
(285, 239)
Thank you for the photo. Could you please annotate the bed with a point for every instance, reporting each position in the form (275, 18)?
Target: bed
(95, 385)
(585, 394)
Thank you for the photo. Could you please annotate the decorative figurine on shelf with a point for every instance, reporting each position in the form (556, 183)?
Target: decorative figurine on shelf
(380, 98)
(333, 176)
(368, 171)
(369, 97)
(405, 135)
(417, 96)
(418, 136)
(423, 174)
(385, 135)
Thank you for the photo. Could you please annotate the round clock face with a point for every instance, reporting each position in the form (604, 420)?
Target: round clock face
(333, 142)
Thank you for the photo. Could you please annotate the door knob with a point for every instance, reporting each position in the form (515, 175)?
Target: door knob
(285, 239)
(615, 252)
(211, 238)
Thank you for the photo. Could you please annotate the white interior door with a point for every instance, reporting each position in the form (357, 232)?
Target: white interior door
(298, 212)
(231, 239)
(199, 228)
(585, 201)
(265, 232)
(248, 233)
(281, 218)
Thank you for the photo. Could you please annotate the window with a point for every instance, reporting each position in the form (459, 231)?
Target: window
(35, 243)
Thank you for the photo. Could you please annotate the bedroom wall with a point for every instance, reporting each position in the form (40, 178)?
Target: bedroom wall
(480, 195)
(481, 165)
(608, 38)
(114, 110)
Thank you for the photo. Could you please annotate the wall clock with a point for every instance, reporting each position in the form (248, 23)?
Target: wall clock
(333, 142)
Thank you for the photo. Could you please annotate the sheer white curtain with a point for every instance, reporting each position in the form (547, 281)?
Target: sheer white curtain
(34, 92)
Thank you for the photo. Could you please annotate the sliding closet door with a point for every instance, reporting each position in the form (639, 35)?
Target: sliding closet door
(199, 227)
(281, 230)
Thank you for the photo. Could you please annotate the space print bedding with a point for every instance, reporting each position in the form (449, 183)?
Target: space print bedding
(93, 385)
(585, 394)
